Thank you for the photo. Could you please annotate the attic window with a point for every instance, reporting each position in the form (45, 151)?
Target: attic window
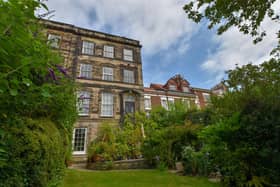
(186, 89)
(172, 87)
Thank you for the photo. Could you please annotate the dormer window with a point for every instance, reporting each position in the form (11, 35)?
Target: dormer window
(172, 87)
(186, 89)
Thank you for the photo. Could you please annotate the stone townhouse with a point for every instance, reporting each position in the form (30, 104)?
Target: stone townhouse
(175, 89)
(108, 69)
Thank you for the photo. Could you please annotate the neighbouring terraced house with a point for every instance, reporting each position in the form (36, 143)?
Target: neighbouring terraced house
(178, 89)
(108, 69)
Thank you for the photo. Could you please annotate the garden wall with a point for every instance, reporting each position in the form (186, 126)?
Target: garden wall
(119, 165)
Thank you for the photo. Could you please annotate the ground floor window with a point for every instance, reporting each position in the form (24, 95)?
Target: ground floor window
(79, 140)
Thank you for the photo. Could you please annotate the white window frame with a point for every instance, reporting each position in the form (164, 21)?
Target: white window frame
(108, 51)
(148, 104)
(88, 48)
(86, 71)
(172, 87)
(104, 110)
(164, 103)
(206, 97)
(171, 100)
(128, 54)
(197, 102)
(187, 103)
(108, 72)
(128, 76)
(54, 40)
(85, 102)
(85, 142)
(186, 89)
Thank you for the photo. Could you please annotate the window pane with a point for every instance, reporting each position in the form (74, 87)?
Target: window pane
(147, 103)
(107, 73)
(83, 102)
(108, 51)
(172, 87)
(128, 76)
(164, 103)
(54, 40)
(79, 139)
(107, 104)
(86, 70)
(186, 89)
(88, 48)
(128, 54)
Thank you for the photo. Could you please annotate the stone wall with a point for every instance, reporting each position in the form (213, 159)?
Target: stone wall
(119, 165)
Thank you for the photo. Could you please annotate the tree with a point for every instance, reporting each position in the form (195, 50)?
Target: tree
(247, 15)
(244, 140)
(37, 100)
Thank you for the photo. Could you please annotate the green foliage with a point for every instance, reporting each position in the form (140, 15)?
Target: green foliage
(247, 16)
(114, 143)
(166, 144)
(174, 116)
(195, 162)
(244, 140)
(36, 153)
(33, 85)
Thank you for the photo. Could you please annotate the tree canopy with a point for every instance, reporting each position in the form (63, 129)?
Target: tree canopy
(247, 15)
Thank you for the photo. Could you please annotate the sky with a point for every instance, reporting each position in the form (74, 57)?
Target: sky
(171, 43)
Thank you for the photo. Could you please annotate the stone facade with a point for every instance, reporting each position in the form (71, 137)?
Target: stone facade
(108, 69)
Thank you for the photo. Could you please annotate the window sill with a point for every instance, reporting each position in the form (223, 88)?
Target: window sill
(83, 115)
(77, 153)
(102, 116)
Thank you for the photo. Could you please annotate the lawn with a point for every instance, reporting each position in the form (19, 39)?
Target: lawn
(132, 178)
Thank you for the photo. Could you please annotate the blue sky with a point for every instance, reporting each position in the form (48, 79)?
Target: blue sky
(172, 44)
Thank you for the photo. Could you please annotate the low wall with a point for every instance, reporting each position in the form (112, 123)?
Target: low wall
(119, 165)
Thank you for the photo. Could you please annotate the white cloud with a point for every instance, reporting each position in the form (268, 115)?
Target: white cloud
(157, 24)
(236, 48)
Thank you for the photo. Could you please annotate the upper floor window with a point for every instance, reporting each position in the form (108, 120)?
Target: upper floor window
(128, 54)
(86, 70)
(172, 87)
(128, 76)
(88, 48)
(107, 104)
(186, 89)
(54, 40)
(107, 74)
(147, 102)
(108, 51)
(83, 102)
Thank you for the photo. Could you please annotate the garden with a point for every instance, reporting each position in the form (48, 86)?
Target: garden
(235, 139)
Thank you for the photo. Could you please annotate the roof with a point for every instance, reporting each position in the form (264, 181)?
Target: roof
(88, 32)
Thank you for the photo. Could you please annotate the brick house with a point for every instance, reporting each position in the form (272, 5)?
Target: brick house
(175, 89)
(108, 69)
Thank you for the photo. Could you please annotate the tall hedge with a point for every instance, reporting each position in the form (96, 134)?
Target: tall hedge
(36, 153)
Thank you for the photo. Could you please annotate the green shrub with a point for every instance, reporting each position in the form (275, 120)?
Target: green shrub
(243, 142)
(167, 143)
(36, 155)
(195, 162)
